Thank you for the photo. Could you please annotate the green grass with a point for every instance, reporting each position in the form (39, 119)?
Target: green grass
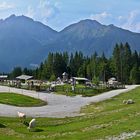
(100, 121)
(20, 100)
(79, 90)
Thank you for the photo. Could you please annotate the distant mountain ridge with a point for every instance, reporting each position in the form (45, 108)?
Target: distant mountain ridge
(89, 36)
(25, 42)
(21, 39)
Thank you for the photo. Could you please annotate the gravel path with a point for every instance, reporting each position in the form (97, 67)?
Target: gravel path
(58, 105)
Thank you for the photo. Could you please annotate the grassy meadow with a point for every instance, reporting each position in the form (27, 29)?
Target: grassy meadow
(20, 100)
(80, 90)
(107, 120)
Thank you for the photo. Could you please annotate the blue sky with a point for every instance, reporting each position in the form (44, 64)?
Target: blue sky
(60, 13)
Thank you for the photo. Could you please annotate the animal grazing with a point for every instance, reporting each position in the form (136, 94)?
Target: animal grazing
(130, 101)
(21, 116)
(32, 124)
(124, 101)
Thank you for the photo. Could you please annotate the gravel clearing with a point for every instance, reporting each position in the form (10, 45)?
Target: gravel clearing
(59, 106)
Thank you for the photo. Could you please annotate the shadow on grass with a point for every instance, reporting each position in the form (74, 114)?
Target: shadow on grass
(38, 130)
(26, 123)
(2, 126)
(33, 130)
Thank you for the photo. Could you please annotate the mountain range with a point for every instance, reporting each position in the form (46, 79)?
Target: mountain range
(25, 42)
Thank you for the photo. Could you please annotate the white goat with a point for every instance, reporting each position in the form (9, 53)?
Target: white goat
(21, 116)
(32, 124)
(124, 101)
(129, 101)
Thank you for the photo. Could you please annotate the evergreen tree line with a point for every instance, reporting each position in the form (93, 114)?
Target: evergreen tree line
(123, 64)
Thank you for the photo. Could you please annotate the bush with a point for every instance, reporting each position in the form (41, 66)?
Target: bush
(52, 78)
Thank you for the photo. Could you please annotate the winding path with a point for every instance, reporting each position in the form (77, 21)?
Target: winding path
(58, 105)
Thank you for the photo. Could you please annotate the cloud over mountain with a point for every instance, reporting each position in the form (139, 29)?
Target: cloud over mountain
(5, 6)
(44, 11)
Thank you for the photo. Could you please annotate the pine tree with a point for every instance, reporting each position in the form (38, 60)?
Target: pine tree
(117, 62)
(17, 71)
(135, 75)
(126, 62)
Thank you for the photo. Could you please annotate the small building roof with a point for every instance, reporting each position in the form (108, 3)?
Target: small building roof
(64, 74)
(80, 79)
(24, 77)
(3, 76)
(112, 79)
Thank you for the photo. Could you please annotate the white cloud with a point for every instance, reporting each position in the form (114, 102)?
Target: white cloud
(120, 18)
(6, 6)
(100, 17)
(44, 11)
(132, 21)
(30, 12)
